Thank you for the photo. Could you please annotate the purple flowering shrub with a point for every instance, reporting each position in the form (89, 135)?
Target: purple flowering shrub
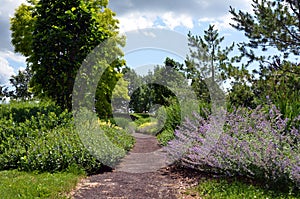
(254, 143)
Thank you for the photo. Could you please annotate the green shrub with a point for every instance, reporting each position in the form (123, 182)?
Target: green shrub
(171, 117)
(104, 140)
(142, 120)
(50, 142)
(165, 136)
(121, 122)
(36, 145)
(151, 128)
(119, 137)
(20, 111)
(125, 123)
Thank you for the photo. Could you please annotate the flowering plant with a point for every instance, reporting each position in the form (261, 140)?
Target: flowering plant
(254, 143)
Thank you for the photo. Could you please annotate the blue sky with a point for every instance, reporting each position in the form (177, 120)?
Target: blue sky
(175, 15)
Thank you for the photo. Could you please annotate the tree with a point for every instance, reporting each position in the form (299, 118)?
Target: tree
(2, 93)
(206, 54)
(22, 27)
(207, 60)
(57, 38)
(155, 87)
(20, 82)
(275, 23)
(151, 91)
(106, 87)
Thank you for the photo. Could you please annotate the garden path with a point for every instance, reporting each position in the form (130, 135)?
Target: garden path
(142, 174)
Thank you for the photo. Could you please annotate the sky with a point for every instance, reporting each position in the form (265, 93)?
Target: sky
(174, 15)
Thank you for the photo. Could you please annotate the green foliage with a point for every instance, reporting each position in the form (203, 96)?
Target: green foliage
(236, 189)
(206, 56)
(56, 36)
(18, 184)
(165, 136)
(107, 88)
(47, 141)
(207, 61)
(141, 118)
(171, 117)
(103, 140)
(20, 111)
(241, 94)
(152, 89)
(39, 144)
(281, 86)
(20, 83)
(22, 27)
(151, 127)
(119, 137)
(274, 23)
(121, 121)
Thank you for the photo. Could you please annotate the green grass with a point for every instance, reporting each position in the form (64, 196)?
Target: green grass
(16, 184)
(223, 189)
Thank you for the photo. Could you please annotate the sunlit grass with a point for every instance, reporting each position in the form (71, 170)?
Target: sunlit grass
(16, 184)
(223, 189)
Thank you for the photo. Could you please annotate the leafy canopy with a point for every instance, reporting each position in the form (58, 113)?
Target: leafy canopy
(56, 36)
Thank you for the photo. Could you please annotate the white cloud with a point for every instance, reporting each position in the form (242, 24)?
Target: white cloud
(12, 56)
(8, 6)
(7, 10)
(169, 20)
(172, 20)
(220, 23)
(149, 34)
(137, 14)
(6, 71)
(136, 20)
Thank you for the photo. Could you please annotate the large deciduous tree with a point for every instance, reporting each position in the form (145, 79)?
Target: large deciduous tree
(56, 36)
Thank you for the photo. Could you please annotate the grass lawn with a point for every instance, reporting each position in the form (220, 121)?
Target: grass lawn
(222, 189)
(16, 184)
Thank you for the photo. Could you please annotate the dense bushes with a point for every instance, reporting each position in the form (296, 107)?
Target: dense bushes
(19, 112)
(45, 139)
(170, 116)
(255, 143)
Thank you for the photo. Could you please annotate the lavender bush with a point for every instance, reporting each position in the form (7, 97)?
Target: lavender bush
(255, 143)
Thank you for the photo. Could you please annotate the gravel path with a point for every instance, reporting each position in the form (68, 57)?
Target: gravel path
(142, 174)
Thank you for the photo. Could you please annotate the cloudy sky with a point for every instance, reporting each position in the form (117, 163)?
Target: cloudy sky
(177, 15)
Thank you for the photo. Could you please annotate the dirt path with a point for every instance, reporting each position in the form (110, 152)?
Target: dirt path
(142, 174)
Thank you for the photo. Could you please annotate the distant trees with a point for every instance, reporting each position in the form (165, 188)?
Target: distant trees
(20, 83)
(19, 86)
(151, 89)
(2, 94)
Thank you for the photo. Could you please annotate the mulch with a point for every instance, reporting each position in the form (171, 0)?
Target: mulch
(168, 183)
